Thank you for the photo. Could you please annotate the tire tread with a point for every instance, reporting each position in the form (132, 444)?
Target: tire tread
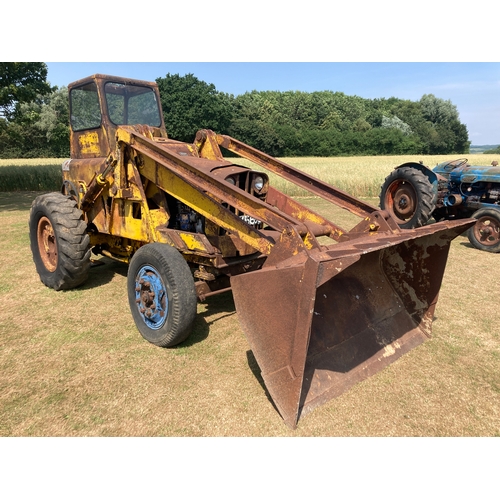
(73, 242)
(423, 188)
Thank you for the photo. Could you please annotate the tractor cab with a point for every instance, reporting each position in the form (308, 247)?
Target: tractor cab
(100, 103)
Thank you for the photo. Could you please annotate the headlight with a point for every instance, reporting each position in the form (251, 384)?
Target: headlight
(258, 183)
(231, 180)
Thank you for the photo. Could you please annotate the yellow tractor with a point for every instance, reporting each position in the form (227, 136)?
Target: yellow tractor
(322, 307)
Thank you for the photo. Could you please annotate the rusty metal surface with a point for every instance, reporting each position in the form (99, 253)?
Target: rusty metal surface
(343, 314)
(47, 246)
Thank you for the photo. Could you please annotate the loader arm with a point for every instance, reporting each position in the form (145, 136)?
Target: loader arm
(185, 178)
(307, 182)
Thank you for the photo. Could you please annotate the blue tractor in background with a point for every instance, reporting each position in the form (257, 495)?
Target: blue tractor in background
(414, 193)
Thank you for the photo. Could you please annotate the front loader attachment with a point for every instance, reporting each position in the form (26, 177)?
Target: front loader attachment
(324, 319)
(319, 317)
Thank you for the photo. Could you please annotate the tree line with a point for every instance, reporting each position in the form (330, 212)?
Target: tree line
(34, 123)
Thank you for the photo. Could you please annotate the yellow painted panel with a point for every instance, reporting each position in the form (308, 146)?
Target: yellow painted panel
(192, 242)
(125, 225)
(89, 143)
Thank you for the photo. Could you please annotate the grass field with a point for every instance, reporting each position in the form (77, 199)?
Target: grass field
(73, 363)
(358, 175)
(38, 174)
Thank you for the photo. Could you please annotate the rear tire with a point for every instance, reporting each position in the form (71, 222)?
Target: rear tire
(59, 241)
(162, 295)
(408, 196)
(485, 234)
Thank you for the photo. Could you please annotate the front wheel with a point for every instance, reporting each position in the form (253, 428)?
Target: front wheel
(59, 241)
(485, 234)
(161, 294)
(408, 196)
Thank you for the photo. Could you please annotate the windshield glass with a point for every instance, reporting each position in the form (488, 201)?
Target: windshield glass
(132, 105)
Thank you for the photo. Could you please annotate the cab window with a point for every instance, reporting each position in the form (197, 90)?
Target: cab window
(84, 106)
(132, 104)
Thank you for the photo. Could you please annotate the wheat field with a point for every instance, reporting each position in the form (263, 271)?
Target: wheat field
(360, 176)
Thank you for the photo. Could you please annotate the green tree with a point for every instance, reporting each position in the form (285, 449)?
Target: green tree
(397, 123)
(53, 122)
(39, 129)
(190, 104)
(448, 134)
(438, 110)
(21, 82)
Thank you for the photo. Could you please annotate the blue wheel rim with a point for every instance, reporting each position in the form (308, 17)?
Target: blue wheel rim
(151, 297)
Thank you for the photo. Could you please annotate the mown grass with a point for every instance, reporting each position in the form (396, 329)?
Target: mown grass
(73, 363)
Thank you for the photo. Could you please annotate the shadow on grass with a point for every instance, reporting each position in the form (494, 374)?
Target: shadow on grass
(467, 244)
(215, 305)
(102, 272)
(254, 367)
(217, 308)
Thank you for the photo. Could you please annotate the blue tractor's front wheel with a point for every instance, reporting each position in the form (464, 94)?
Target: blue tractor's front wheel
(161, 294)
(485, 234)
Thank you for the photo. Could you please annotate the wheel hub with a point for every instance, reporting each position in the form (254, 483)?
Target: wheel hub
(47, 244)
(487, 231)
(404, 201)
(151, 297)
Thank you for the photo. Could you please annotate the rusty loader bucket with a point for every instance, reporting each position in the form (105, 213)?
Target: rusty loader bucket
(322, 320)
(321, 317)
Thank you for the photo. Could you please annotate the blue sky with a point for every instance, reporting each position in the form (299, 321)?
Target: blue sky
(474, 88)
(370, 49)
